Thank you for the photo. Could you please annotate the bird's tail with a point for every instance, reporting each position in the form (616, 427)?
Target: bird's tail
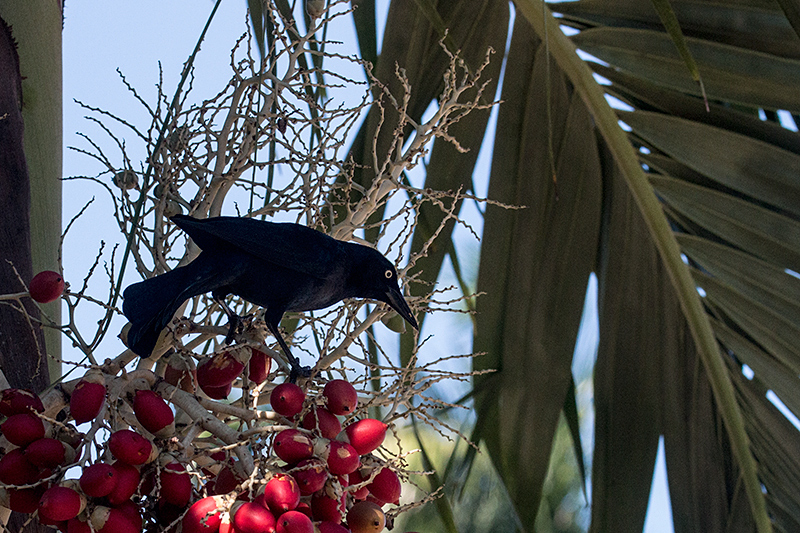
(150, 304)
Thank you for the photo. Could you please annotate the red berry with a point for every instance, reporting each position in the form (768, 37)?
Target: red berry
(88, 397)
(287, 399)
(181, 372)
(76, 525)
(166, 513)
(332, 527)
(15, 469)
(131, 509)
(61, 503)
(294, 522)
(46, 286)
(342, 458)
(323, 507)
(292, 445)
(153, 413)
(99, 480)
(341, 396)
(250, 517)
(112, 520)
(311, 476)
(324, 421)
(132, 448)
(219, 370)
(16, 401)
(22, 500)
(128, 478)
(366, 435)
(225, 481)
(57, 524)
(356, 478)
(386, 486)
(304, 508)
(258, 368)
(366, 517)
(176, 485)
(218, 393)
(22, 429)
(226, 526)
(204, 515)
(49, 453)
(280, 494)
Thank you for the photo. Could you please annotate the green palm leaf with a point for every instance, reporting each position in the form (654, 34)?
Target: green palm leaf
(717, 189)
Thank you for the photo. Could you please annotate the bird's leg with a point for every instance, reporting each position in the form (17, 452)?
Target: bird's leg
(235, 324)
(297, 370)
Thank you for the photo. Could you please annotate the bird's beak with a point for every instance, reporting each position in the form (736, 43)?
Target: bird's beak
(396, 301)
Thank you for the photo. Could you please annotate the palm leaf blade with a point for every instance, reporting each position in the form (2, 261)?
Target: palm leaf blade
(536, 283)
(730, 73)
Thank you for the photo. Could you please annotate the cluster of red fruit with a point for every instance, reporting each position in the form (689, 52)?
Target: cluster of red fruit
(311, 475)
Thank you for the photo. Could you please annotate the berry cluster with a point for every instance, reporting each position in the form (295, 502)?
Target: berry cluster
(309, 465)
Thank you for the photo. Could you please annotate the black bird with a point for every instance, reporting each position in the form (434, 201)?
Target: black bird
(279, 266)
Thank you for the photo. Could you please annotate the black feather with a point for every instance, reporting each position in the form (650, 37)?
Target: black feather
(279, 266)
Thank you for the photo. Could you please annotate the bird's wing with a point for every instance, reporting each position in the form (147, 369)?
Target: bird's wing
(287, 245)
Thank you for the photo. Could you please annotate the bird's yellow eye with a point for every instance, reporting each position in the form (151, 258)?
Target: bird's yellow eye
(389, 274)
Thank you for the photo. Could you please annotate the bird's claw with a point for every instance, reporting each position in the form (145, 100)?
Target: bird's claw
(299, 372)
(235, 327)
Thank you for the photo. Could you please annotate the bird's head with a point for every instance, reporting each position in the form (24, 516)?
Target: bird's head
(377, 279)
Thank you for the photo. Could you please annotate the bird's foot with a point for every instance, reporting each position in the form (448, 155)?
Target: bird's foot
(235, 327)
(298, 371)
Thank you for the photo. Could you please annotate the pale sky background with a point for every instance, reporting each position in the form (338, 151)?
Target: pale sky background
(101, 36)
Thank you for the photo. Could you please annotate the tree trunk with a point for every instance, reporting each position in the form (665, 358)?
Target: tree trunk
(30, 223)
(36, 27)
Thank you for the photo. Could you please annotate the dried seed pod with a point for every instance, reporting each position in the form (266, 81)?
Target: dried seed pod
(126, 179)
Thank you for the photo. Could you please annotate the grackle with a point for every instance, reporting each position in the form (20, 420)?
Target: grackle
(279, 266)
